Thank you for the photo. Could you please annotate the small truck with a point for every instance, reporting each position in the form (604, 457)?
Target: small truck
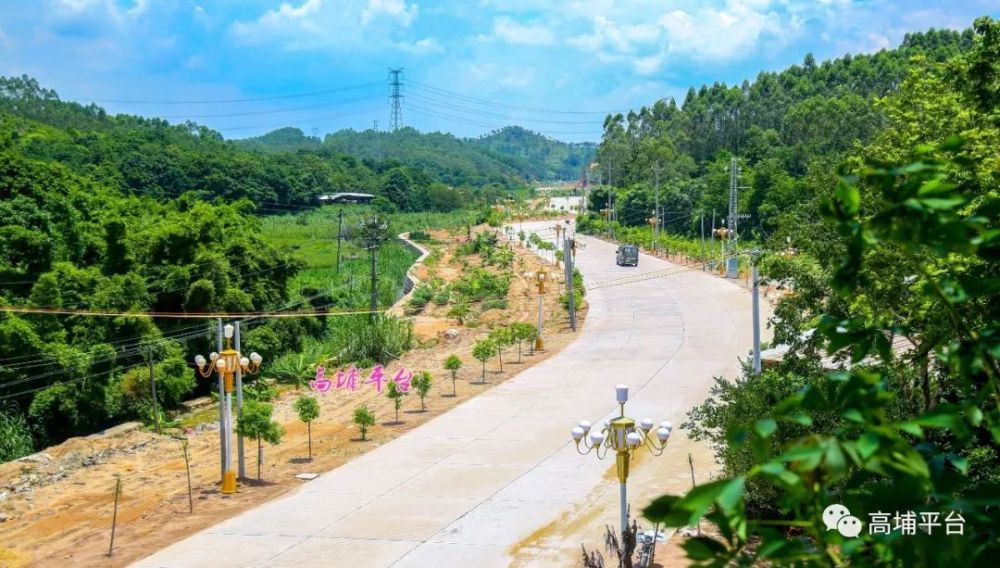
(627, 255)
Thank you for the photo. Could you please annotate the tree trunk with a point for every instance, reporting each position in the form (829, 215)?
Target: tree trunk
(260, 456)
(453, 392)
(518, 351)
(309, 428)
(483, 380)
(500, 356)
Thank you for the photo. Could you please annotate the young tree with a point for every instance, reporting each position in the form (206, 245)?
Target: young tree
(501, 337)
(522, 332)
(395, 394)
(482, 351)
(364, 419)
(422, 384)
(255, 422)
(453, 364)
(308, 410)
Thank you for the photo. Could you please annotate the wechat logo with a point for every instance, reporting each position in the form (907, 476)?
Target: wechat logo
(839, 518)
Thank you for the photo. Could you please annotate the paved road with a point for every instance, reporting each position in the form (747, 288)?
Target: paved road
(469, 487)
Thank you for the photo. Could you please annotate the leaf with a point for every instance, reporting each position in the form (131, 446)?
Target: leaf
(867, 445)
(765, 427)
(703, 548)
(674, 511)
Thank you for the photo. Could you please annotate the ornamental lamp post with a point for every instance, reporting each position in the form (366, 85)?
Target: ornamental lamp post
(226, 363)
(540, 277)
(624, 437)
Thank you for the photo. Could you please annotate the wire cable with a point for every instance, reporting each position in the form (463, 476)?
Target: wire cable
(245, 100)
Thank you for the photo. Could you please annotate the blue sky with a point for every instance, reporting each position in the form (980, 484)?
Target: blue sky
(470, 65)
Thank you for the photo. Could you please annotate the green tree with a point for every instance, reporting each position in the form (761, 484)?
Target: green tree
(255, 422)
(483, 350)
(523, 331)
(501, 337)
(396, 395)
(453, 363)
(363, 419)
(422, 384)
(308, 410)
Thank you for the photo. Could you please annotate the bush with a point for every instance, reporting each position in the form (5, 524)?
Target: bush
(364, 419)
(494, 305)
(15, 435)
(382, 339)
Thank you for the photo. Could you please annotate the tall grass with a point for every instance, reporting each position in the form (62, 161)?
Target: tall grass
(15, 435)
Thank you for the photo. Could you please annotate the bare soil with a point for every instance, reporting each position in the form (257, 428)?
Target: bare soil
(56, 506)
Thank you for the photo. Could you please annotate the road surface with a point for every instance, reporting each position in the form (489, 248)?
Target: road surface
(496, 481)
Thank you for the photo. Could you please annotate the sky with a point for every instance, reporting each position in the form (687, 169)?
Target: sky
(245, 67)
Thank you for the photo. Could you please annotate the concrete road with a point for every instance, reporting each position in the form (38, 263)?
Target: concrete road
(475, 486)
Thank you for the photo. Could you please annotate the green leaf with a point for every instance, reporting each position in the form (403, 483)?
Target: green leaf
(765, 427)
(703, 548)
(867, 445)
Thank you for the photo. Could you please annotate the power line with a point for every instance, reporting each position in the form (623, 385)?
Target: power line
(475, 100)
(275, 110)
(469, 110)
(246, 100)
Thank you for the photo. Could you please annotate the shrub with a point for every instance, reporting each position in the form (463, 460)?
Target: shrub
(382, 339)
(364, 419)
(395, 394)
(15, 435)
(422, 384)
(495, 304)
(453, 364)
(255, 422)
(308, 410)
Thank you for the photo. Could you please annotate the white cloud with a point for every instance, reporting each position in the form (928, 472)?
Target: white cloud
(5, 41)
(507, 30)
(393, 9)
(343, 25)
(425, 46)
(287, 18)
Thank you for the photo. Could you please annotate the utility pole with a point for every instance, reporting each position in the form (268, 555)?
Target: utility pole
(656, 226)
(395, 99)
(703, 240)
(223, 440)
(378, 141)
(732, 261)
(755, 296)
(340, 232)
(241, 466)
(570, 293)
(152, 385)
(373, 232)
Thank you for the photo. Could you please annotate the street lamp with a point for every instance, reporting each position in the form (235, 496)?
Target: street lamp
(540, 277)
(226, 363)
(625, 437)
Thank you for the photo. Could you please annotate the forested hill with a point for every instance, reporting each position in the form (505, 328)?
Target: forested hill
(781, 127)
(512, 152)
(541, 157)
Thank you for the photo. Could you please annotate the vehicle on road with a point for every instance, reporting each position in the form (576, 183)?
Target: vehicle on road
(627, 255)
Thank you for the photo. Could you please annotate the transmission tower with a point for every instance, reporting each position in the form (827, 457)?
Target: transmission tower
(395, 99)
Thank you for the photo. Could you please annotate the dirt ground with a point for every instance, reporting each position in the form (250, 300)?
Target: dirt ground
(56, 507)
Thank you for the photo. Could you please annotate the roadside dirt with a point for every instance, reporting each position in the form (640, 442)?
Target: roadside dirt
(56, 506)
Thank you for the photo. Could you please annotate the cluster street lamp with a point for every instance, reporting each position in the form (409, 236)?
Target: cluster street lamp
(227, 363)
(625, 437)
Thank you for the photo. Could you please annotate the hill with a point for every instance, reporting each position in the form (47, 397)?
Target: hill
(511, 153)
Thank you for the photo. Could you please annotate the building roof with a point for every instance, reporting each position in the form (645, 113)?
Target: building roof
(346, 197)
